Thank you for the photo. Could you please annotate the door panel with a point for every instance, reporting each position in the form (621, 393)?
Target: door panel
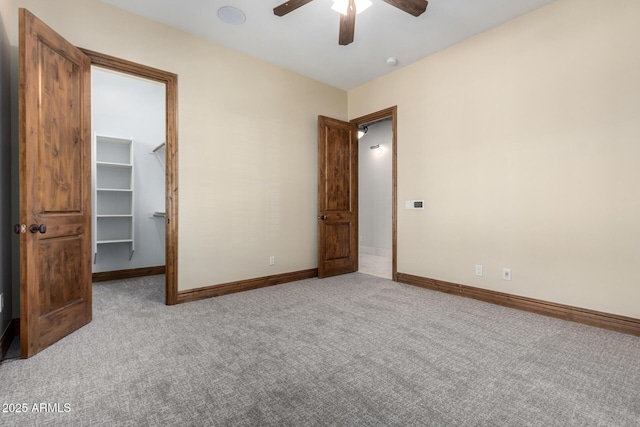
(338, 238)
(55, 186)
(337, 197)
(58, 179)
(338, 162)
(56, 261)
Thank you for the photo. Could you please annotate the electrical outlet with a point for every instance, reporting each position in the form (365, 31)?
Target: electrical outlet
(506, 274)
(478, 270)
(272, 260)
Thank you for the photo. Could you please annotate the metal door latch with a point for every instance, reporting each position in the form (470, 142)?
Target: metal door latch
(20, 228)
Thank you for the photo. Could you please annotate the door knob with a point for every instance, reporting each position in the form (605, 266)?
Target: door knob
(38, 228)
(323, 217)
(19, 228)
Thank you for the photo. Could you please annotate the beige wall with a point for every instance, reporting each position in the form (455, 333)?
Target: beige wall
(247, 142)
(525, 143)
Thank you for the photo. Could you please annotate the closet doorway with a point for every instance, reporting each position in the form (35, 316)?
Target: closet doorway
(128, 170)
(377, 230)
(155, 214)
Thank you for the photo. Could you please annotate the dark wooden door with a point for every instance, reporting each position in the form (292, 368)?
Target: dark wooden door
(55, 186)
(337, 197)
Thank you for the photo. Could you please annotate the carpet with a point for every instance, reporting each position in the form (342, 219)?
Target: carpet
(352, 350)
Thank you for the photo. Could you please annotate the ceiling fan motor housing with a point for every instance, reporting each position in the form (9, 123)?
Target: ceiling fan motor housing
(348, 21)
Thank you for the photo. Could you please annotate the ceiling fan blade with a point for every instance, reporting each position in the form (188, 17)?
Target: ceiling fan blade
(348, 25)
(289, 6)
(413, 7)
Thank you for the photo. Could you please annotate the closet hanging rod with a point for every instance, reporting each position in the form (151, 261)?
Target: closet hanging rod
(159, 147)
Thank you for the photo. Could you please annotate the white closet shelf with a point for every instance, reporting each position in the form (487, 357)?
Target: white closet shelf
(115, 241)
(114, 165)
(114, 189)
(115, 216)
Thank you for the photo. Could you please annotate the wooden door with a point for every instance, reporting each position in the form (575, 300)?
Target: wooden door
(337, 197)
(55, 186)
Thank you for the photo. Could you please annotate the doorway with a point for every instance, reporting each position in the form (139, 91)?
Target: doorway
(377, 187)
(127, 121)
(170, 148)
(375, 198)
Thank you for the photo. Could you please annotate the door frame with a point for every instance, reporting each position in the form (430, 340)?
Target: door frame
(170, 80)
(392, 113)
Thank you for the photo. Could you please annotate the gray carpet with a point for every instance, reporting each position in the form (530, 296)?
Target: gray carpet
(353, 350)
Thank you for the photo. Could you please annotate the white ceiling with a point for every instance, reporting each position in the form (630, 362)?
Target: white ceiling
(306, 40)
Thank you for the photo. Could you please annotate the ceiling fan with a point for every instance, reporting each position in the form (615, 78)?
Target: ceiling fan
(348, 18)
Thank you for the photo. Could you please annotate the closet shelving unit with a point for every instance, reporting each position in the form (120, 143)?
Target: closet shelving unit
(113, 207)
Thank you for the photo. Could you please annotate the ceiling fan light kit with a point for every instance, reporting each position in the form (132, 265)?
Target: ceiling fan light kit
(350, 8)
